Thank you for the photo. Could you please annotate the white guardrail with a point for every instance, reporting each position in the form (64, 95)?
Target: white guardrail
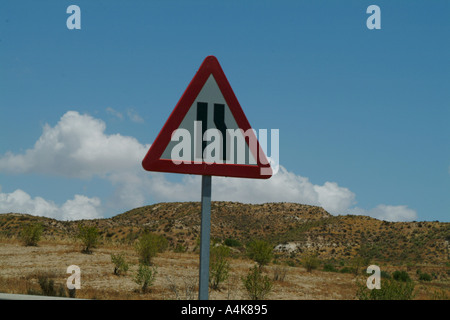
(9, 296)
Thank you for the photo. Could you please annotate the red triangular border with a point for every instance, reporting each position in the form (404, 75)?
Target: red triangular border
(153, 161)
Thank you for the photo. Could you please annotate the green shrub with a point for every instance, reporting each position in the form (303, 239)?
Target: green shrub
(424, 277)
(346, 270)
(401, 276)
(145, 277)
(257, 285)
(291, 263)
(120, 265)
(180, 248)
(31, 234)
(260, 251)
(219, 266)
(391, 289)
(148, 245)
(357, 263)
(89, 236)
(48, 287)
(328, 267)
(310, 262)
(232, 243)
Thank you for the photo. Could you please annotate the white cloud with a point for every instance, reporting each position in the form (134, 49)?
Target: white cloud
(81, 207)
(285, 186)
(393, 213)
(77, 147)
(387, 212)
(335, 199)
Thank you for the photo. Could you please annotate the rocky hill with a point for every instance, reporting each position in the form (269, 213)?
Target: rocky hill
(293, 229)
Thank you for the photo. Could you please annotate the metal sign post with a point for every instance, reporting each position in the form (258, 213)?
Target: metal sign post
(204, 239)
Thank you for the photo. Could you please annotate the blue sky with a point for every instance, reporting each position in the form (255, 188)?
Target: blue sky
(363, 114)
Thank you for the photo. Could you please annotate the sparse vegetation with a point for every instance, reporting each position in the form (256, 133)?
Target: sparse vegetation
(279, 273)
(89, 237)
(293, 231)
(48, 287)
(358, 263)
(145, 277)
(180, 248)
(310, 262)
(120, 265)
(219, 266)
(148, 245)
(439, 294)
(186, 293)
(257, 285)
(31, 234)
(328, 267)
(260, 251)
(232, 243)
(401, 276)
(391, 289)
(423, 276)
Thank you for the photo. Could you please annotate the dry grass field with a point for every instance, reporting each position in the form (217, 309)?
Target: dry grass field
(177, 275)
(293, 230)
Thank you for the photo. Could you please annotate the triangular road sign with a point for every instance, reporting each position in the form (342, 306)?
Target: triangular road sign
(208, 133)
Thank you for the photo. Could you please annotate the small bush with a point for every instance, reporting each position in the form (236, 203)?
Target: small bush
(89, 236)
(48, 287)
(186, 293)
(180, 248)
(257, 285)
(260, 251)
(401, 276)
(31, 234)
(357, 263)
(279, 273)
(219, 266)
(424, 277)
(120, 265)
(328, 267)
(148, 245)
(310, 262)
(390, 290)
(291, 263)
(346, 270)
(232, 243)
(145, 277)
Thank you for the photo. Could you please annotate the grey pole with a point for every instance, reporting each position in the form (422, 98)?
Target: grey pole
(204, 238)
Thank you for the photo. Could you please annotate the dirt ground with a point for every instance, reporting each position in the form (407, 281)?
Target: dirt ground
(177, 275)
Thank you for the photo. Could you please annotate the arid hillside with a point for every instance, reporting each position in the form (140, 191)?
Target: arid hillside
(293, 229)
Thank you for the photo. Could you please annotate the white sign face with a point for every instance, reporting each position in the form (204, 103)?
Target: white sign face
(209, 132)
